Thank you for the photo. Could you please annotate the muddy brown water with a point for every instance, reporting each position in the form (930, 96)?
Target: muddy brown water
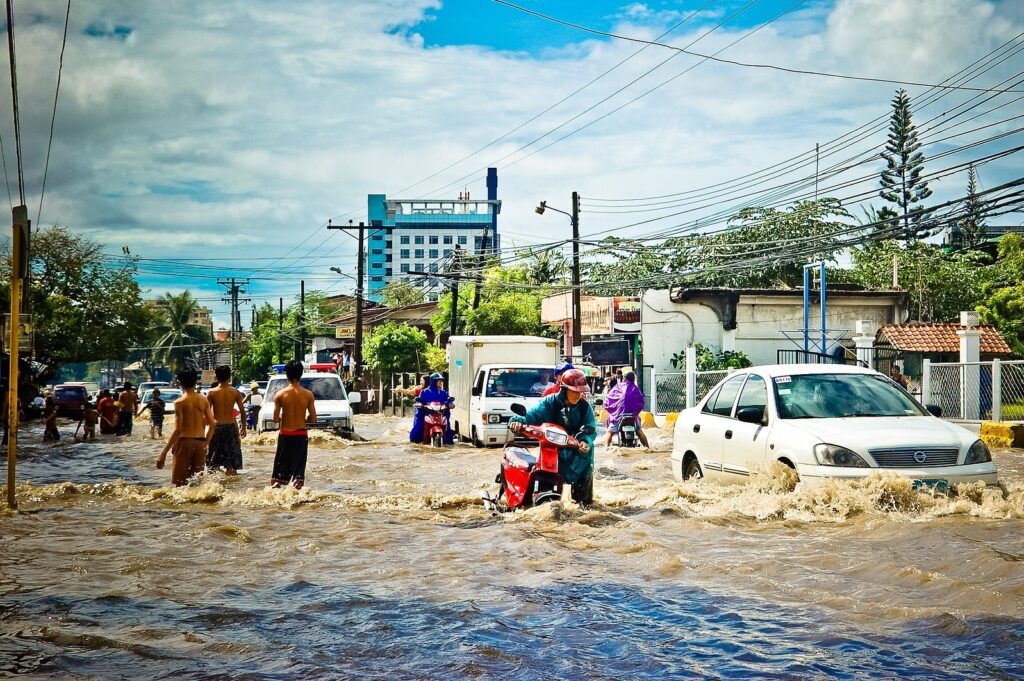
(387, 565)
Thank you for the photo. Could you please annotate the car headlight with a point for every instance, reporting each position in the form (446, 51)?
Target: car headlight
(834, 455)
(494, 418)
(978, 453)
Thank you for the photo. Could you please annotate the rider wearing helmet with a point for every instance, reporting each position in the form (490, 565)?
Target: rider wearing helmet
(560, 369)
(570, 409)
(435, 392)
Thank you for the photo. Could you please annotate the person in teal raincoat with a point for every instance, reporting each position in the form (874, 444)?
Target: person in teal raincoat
(570, 409)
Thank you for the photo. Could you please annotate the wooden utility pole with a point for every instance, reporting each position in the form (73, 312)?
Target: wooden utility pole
(300, 348)
(456, 271)
(19, 270)
(577, 336)
(357, 351)
(280, 329)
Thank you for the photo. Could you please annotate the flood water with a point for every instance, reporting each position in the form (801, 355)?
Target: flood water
(387, 566)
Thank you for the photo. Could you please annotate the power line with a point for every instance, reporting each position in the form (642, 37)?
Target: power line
(53, 117)
(683, 50)
(14, 100)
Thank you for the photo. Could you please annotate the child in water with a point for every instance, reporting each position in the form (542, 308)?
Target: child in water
(90, 417)
(50, 432)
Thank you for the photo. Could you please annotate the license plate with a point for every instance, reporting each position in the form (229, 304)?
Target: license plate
(933, 484)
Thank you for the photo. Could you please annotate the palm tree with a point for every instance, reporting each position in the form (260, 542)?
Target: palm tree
(175, 332)
(547, 267)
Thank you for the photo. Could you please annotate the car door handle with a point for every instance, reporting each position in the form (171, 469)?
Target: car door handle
(696, 428)
(728, 435)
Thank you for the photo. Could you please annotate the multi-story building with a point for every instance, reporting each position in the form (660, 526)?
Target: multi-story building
(202, 316)
(406, 236)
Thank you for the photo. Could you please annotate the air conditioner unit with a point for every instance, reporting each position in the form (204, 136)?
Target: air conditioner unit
(969, 318)
(865, 327)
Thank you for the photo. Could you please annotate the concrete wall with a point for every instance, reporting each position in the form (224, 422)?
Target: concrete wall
(668, 327)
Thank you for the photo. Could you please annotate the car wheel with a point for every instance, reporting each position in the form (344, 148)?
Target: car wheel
(692, 469)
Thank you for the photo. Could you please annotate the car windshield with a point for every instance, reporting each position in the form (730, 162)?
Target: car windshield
(69, 393)
(829, 396)
(323, 387)
(515, 382)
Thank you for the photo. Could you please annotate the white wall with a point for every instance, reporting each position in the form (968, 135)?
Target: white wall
(667, 328)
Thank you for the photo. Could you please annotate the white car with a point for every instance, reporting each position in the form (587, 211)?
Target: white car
(826, 421)
(332, 402)
(168, 395)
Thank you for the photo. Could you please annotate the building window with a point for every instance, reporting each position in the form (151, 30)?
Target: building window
(404, 240)
(376, 265)
(419, 253)
(433, 267)
(462, 241)
(376, 280)
(433, 241)
(405, 268)
(433, 253)
(377, 251)
(448, 240)
(377, 236)
(404, 253)
(447, 252)
(477, 242)
(387, 272)
(387, 258)
(419, 240)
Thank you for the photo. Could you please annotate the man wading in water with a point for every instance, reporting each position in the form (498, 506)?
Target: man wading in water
(193, 429)
(293, 408)
(225, 447)
(129, 404)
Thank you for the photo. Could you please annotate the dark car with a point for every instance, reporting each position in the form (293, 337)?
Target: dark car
(70, 400)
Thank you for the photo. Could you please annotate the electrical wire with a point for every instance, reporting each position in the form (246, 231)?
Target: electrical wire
(53, 116)
(14, 100)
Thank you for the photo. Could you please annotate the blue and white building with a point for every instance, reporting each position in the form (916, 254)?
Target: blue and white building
(420, 235)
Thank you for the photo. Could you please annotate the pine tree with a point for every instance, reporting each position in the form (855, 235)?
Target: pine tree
(972, 226)
(901, 180)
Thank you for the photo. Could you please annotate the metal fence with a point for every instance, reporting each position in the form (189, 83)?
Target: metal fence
(975, 391)
(669, 389)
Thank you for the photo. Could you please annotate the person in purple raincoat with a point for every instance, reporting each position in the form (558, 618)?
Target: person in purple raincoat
(625, 398)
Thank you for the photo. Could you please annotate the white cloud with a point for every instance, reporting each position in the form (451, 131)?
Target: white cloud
(288, 117)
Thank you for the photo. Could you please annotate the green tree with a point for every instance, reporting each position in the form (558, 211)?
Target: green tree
(547, 267)
(259, 352)
(441, 321)
(901, 180)
(176, 335)
(399, 293)
(972, 226)
(395, 347)
(620, 267)
(1002, 303)
(84, 305)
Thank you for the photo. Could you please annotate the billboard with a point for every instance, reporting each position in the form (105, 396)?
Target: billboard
(595, 316)
(607, 352)
(625, 315)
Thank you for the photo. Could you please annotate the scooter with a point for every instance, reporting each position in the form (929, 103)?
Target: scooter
(525, 479)
(627, 431)
(250, 416)
(435, 423)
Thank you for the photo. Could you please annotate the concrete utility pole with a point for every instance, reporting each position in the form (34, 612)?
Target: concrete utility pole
(19, 271)
(456, 271)
(577, 336)
(357, 354)
(300, 348)
(235, 287)
(280, 329)
(481, 259)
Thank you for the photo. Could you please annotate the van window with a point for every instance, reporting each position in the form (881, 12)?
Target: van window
(325, 387)
(479, 385)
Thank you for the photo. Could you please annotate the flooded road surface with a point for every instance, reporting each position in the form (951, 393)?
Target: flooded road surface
(387, 565)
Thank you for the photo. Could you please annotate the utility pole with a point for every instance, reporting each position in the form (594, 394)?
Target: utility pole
(300, 349)
(235, 287)
(456, 271)
(19, 271)
(280, 329)
(480, 267)
(357, 354)
(255, 318)
(577, 336)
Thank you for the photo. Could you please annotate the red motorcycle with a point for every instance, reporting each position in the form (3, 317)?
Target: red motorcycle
(525, 479)
(435, 423)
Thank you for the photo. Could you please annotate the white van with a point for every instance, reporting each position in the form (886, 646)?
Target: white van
(332, 402)
(486, 374)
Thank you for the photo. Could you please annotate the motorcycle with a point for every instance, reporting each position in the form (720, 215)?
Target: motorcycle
(435, 423)
(627, 431)
(525, 479)
(251, 410)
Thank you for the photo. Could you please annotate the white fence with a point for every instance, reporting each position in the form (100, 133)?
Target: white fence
(678, 390)
(975, 391)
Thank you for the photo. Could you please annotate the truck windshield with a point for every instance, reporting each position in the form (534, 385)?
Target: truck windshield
(517, 382)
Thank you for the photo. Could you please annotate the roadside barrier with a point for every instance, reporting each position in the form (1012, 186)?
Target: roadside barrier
(1001, 434)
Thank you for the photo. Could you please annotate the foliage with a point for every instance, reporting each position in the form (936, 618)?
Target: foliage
(548, 267)
(441, 321)
(901, 180)
(436, 358)
(1003, 295)
(83, 306)
(970, 231)
(175, 335)
(399, 293)
(510, 301)
(709, 360)
(623, 268)
(395, 347)
(261, 351)
(940, 284)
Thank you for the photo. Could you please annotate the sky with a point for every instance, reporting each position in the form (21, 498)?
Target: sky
(217, 139)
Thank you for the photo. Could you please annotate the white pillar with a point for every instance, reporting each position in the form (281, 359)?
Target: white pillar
(865, 350)
(654, 391)
(691, 376)
(970, 387)
(926, 382)
(997, 390)
(729, 340)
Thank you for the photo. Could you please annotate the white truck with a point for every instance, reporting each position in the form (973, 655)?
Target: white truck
(486, 374)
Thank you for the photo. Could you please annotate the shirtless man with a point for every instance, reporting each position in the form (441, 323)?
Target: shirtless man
(294, 407)
(193, 429)
(226, 448)
(129, 405)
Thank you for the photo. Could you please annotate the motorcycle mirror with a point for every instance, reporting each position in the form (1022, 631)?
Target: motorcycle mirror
(587, 430)
(518, 409)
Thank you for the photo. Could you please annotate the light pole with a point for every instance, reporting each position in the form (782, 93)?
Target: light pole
(574, 218)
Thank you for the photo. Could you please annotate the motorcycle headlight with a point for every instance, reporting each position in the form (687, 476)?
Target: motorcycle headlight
(834, 455)
(556, 437)
(978, 453)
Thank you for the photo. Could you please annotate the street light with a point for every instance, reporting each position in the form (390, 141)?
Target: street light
(574, 218)
(337, 270)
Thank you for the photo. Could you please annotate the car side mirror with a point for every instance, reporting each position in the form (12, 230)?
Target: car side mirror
(518, 409)
(475, 392)
(934, 410)
(354, 398)
(750, 415)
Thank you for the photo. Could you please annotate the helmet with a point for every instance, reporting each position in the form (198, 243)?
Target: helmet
(573, 379)
(561, 367)
(436, 376)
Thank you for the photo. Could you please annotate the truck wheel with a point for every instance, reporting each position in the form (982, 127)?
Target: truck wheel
(477, 442)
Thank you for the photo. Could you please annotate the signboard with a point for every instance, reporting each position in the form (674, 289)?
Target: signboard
(625, 315)
(610, 352)
(595, 316)
(24, 339)
(350, 331)
(209, 377)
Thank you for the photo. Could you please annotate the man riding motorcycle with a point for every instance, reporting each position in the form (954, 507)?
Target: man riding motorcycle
(570, 409)
(434, 392)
